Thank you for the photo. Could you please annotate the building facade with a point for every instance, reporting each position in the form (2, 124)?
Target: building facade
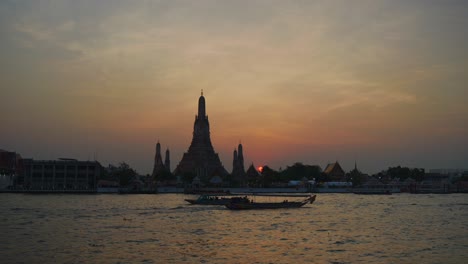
(10, 169)
(61, 175)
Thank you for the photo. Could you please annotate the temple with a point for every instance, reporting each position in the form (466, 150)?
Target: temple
(167, 161)
(335, 172)
(159, 166)
(201, 160)
(238, 171)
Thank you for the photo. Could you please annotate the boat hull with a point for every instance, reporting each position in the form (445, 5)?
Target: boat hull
(208, 202)
(260, 206)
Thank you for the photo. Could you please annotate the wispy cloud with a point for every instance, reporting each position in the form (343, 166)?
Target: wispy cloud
(300, 73)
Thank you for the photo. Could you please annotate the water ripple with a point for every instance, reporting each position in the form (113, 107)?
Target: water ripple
(339, 228)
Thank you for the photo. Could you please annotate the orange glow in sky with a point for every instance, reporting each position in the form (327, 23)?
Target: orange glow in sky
(382, 83)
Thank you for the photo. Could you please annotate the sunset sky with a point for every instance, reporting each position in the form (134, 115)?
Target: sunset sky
(382, 83)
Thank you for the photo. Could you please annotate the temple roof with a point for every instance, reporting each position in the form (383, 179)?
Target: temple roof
(252, 172)
(332, 167)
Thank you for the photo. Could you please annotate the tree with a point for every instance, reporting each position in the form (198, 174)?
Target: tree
(403, 173)
(294, 172)
(269, 176)
(355, 177)
(123, 173)
(418, 174)
(298, 171)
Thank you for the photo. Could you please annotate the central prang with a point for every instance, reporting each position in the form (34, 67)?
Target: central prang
(201, 160)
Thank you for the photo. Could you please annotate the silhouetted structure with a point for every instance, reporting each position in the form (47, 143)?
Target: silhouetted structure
(159, 166)
(200, 159)
(356, 176)
(238, 171)
(62, 174)
(335, 172)
(252, 175)
(10, 169)
(167, 161)
(355, 171)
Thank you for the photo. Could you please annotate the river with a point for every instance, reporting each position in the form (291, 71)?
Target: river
(163, 228)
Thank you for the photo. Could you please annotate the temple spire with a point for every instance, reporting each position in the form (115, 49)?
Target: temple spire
(234, 161)
(158, 163)
(167, 161)
(201, 107)
(201, 160)
(238, 171)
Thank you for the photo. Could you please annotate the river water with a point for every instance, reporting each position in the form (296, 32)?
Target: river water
(337, 228)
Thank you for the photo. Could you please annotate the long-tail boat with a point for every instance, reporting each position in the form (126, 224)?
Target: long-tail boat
(215, 199)
(243, 204)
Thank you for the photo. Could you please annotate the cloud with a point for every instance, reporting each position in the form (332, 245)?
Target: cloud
(302, 72)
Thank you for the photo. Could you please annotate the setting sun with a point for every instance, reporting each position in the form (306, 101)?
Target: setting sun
(260, 168)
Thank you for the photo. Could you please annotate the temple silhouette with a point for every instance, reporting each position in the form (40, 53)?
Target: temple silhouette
(159, 166)
(238, 171)
(201, 160)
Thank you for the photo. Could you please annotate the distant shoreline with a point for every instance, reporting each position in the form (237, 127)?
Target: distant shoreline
(219, 191)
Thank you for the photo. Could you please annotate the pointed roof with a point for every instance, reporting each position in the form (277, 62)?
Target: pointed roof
(201, 106)
(252, 172)
(332, 166)
(201, 158)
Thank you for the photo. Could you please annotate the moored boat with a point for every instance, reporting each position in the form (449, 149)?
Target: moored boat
(249, 205)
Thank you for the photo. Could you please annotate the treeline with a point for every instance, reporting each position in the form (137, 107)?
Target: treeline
(296, 172)
(402, 173)
(268, 177)
(122, 173)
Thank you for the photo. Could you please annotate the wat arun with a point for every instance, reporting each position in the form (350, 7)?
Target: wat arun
(201, 160)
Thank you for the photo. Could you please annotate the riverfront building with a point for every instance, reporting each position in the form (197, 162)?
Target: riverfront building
(201, 160)
(10, 169)
(61, 175)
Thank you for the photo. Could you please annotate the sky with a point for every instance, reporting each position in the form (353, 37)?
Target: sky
(379, 83)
